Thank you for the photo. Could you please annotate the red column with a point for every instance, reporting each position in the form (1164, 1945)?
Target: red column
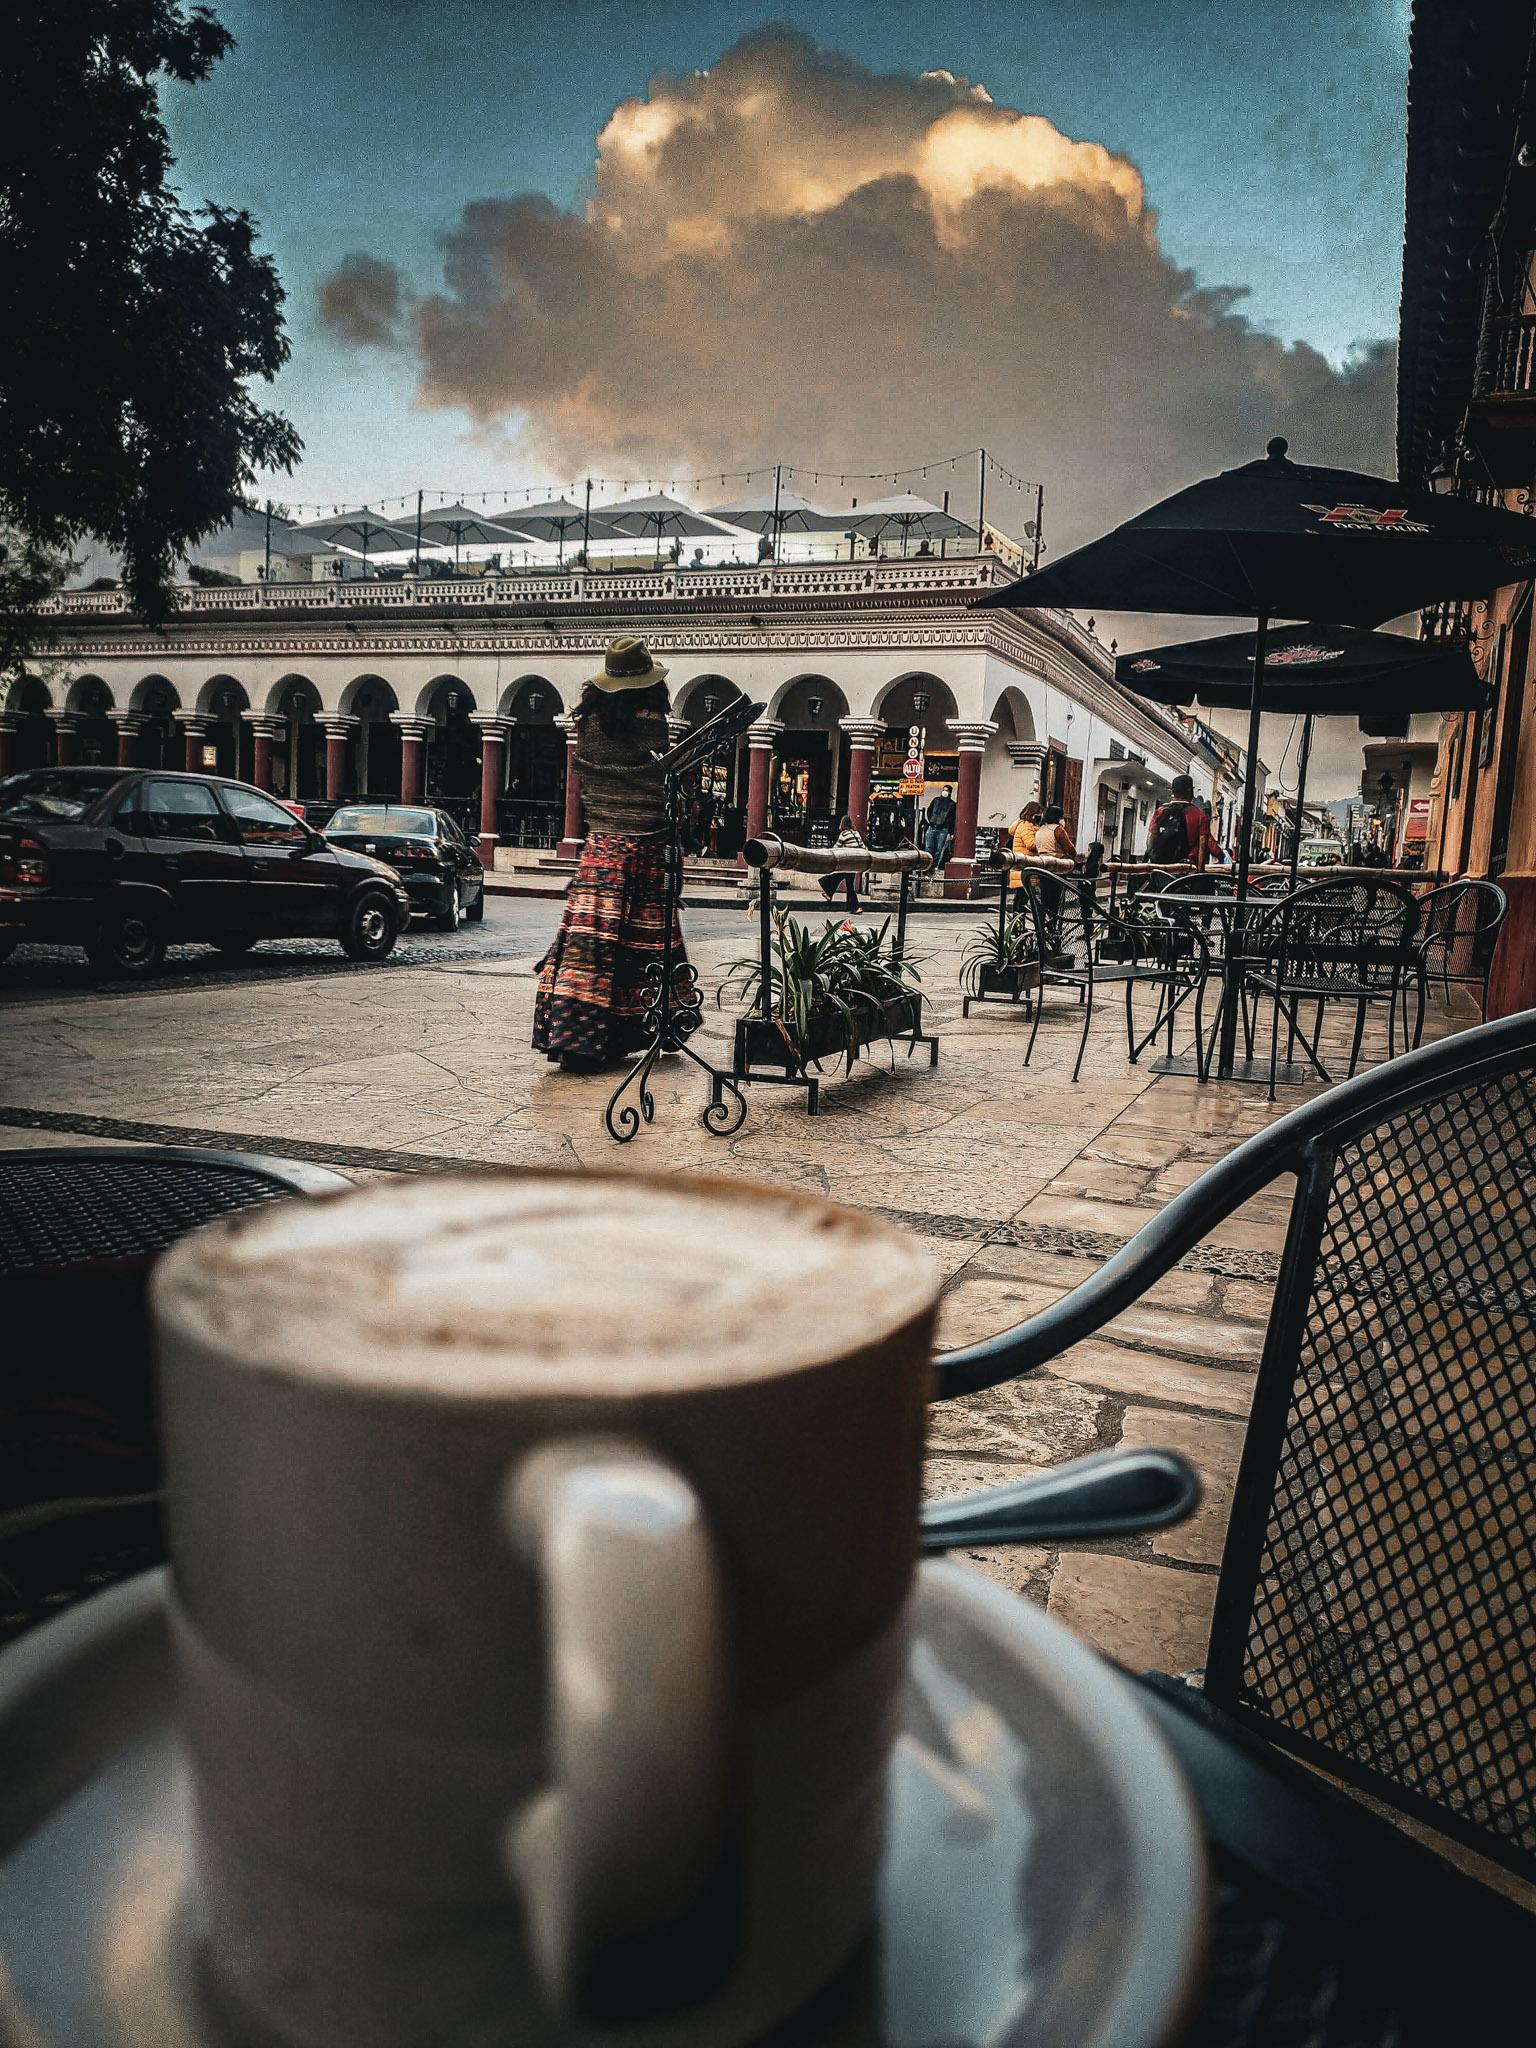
(862, 735)
(194, 731)
(263, 732)
(971, 738)
(64, 737)
(127, 739)
(412, 747)
(572, 836)
(493, 780)
(759, 760)
(7, 734)
(336, 731)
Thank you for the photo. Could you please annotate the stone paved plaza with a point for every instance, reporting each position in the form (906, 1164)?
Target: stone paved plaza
(1018, 1183)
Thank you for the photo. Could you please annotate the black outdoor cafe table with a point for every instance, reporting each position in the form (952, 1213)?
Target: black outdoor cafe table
(1221, 901)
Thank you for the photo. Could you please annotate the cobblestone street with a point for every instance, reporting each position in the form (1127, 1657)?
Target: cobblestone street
(1017, 1182)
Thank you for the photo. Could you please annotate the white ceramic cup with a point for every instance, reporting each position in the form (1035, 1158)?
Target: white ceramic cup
(542, 1548)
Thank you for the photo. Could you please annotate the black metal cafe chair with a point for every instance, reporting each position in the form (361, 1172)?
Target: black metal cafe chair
(1332, 942)
(1459, 926)
(1375, 1617)
(80, 1230)
(1084, 947)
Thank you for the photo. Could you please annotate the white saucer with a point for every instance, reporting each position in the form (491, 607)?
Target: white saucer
(1043, 1888)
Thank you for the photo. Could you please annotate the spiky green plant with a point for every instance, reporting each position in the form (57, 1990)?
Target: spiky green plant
(839, 973)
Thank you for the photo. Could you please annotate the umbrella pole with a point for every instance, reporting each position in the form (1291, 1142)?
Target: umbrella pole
(1232, 973)
(1302, 759)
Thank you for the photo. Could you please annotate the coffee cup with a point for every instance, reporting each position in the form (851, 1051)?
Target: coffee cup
(542, 1548)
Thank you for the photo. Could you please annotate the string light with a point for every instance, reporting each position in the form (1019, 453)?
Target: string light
(529, 493)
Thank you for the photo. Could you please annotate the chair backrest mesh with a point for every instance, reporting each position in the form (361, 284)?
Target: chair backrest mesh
(1377, 1610)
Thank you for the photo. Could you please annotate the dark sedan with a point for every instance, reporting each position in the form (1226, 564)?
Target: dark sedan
(125, 862)
(440, 869)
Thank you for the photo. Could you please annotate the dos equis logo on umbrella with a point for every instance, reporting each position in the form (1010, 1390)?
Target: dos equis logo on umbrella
(1368, 518)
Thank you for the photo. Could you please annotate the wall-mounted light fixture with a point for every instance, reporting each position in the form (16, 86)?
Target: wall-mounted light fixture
(919, 700)
(813, 705)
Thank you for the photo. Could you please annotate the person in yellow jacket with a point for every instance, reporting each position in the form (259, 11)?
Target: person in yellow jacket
(1019, 838)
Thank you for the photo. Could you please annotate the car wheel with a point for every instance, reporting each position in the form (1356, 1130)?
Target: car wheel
(233, 948)
(476, 910)
(371, 928)
(448, 920)
(128, 943)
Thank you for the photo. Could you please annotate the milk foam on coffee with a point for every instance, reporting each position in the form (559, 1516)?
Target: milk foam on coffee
(467, 1283)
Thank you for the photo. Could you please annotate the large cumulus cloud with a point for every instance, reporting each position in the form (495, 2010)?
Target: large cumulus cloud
(790, 257)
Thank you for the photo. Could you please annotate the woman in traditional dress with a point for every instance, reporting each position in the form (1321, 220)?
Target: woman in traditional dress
(592, 994)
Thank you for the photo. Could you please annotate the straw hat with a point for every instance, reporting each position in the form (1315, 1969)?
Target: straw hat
(628, 666)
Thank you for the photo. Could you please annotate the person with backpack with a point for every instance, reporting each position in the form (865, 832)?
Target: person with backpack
(1181, 830)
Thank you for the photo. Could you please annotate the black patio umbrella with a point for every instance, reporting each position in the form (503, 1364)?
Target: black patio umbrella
(1380, 678)
(1277, 539)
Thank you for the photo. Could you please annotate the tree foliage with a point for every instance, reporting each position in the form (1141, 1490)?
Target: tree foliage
(135, 326)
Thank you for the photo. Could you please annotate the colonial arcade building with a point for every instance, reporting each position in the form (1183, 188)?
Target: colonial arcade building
(460, 691)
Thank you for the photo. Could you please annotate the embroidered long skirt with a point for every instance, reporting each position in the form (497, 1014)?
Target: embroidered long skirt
(592, 993)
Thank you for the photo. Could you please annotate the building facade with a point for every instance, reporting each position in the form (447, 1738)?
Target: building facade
(460, 690)
(1467, 422)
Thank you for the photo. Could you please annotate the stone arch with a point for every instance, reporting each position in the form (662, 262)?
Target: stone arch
(897, 703)
(451, 768)
(372, 763)
(298, 745)
(689, 702)
(1010, 775)
(154, 701)
(533, 800)
(34, 736)
(808, 785)
(925, 700)
(1013, 716)
(222, 703)
(531, 699)
(222, 697)
(154, 697)
(88, 696)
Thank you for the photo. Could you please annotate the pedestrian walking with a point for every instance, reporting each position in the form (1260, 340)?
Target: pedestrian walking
(1180, 830)
(849, 840)
(591, 995)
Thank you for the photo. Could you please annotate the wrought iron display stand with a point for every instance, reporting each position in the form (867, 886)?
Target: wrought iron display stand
(761, 1051)
(674, 1009)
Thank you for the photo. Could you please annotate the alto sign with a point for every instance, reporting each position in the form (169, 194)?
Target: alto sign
(912, 767)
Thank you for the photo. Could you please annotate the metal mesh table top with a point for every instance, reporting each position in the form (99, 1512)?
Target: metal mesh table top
(62, 1212)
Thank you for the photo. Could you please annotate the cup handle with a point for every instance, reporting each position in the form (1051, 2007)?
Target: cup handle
(623, 1859)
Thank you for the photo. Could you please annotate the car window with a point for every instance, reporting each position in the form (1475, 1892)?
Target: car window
(261, 821)
(179, 810)
(399, 823)
(49, 793)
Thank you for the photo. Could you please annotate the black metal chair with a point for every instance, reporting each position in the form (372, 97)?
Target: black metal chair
(1459, 927)
(1151, 951)
(80, 1230)
(1376, 1607)
(1332, 942)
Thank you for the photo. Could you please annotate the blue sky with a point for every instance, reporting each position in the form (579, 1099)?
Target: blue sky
(1270, 137)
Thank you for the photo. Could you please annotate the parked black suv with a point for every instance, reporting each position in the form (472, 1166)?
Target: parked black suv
(127, 861)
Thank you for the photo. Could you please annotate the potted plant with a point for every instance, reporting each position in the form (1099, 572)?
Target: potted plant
(1001, 960)
(828, 993)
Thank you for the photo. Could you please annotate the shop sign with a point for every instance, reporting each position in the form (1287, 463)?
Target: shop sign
(210, 757)
(1416, 825)
(912, 767)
